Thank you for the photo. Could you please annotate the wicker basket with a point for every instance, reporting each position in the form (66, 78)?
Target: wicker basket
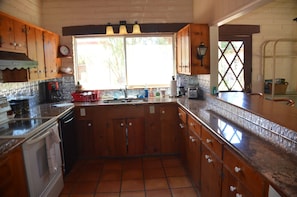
(278, 88)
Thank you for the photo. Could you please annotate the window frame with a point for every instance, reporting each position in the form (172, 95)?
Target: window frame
(166, 34)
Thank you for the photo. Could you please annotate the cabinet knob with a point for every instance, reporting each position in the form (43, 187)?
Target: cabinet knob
(209, 160)
(122, 124)
(163, 112)
(190, 137)
(237, 169)
(179, 114)
(232, 188)
(208, 141)
(192, 124)
(181, 125)
(207, 156)
(238, 195)
(130, 123)
(193, 140)
(89, 124)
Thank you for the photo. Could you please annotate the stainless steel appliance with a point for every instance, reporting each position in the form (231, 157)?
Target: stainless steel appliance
(195, 93)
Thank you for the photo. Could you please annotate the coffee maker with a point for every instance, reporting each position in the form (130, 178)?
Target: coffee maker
(51, 92)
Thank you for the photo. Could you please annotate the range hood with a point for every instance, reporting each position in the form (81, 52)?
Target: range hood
(12, 60)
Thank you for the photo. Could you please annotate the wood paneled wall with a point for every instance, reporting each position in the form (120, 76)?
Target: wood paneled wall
(26, 10)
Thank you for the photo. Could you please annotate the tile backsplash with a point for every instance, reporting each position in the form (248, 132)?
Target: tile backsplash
(266, 129)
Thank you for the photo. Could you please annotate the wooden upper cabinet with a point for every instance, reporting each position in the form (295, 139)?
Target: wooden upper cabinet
(12, 35)
(188, 39)
(51, 42)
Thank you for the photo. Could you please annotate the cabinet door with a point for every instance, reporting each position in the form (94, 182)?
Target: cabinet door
(231, 187)
(12, 174)
(183, 134)
(170, 142)
(40, 54)
(136, 136)
(194, 156)
(6, 34)
(85, 139)
(50, 54)
(152, 130)
(179, 66)
(20, 42)
(210, 173)
(32, 51)
(119, 133)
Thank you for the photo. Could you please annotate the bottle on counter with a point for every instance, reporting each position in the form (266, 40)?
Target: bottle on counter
(78, 87)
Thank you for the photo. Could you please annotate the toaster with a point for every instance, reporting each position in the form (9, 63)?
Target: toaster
(195, 93)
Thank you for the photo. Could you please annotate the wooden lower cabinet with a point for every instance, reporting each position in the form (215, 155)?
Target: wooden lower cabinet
(211, 173)
(128, 136)
(12, 174)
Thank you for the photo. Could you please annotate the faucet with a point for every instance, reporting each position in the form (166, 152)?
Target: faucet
(125, 92)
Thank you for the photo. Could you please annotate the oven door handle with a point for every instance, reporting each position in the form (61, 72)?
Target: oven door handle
(38, 138)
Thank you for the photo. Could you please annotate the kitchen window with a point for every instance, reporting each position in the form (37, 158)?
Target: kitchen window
(113, 62)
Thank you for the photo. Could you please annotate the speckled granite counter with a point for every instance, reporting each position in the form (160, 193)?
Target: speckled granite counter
(277, 165)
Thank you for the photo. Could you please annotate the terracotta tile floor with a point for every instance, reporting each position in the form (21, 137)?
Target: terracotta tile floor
(131, 177)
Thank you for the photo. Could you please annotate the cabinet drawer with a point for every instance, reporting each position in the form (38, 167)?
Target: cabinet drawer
(182, 115)
(211, 142)
(245, 173)
(194, 125)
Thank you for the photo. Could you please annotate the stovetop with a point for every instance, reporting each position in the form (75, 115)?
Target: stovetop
(21, 128)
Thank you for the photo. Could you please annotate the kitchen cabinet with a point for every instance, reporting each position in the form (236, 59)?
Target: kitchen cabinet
(183, 133)
(152, 128)
(85, 137)
(12, 35)
(36, 52)
(170, 141)
(129, 136)
(52, 63)
(12, 174)
(188, 39)
(194, 150)
(239, 178)
(211, 164)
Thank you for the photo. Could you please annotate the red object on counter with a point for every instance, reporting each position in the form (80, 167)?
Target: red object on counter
(86, 96)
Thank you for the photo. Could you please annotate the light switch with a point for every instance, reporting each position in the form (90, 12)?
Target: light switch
(82, 112)
(152, 109)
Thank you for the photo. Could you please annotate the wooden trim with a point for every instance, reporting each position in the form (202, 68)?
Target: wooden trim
(238, 30)
(100, 29)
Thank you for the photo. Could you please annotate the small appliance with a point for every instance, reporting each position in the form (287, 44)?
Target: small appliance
(195, 93)
(51, 91)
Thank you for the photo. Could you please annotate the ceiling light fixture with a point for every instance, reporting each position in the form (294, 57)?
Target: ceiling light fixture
(123, 29)
(136, 28)
(109, 29)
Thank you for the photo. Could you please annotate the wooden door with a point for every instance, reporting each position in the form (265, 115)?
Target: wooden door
(40, 54)
(119, 135)
(211, 173)
(32, 51)
(20, 41)
(136, 136)
(179, 65)
(194, 155)
(85, 138)
(170, 142)
(50, 54)
(152, 130)
(6, 34)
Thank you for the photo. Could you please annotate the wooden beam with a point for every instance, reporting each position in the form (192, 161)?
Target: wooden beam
(100, 29)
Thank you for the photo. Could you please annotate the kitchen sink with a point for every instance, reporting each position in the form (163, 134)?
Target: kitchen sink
(123, 101)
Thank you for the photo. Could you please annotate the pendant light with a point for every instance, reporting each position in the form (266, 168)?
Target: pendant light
(136, 28)
(123, 29)
(109, 29)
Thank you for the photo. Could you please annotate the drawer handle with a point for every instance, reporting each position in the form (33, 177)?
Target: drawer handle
(237, 169)
(238, 195)
(181, 125)
(232, 188)
(208, 141)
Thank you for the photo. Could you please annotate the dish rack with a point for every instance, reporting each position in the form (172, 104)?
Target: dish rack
(86, 96)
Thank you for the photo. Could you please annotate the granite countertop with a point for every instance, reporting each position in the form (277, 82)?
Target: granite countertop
(274, 163)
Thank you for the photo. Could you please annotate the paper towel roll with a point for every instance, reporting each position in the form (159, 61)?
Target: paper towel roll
(173, 88)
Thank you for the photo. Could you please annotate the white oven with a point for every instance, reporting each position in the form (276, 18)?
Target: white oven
(43, 163)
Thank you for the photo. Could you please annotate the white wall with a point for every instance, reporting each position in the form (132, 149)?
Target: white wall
(276, 21)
